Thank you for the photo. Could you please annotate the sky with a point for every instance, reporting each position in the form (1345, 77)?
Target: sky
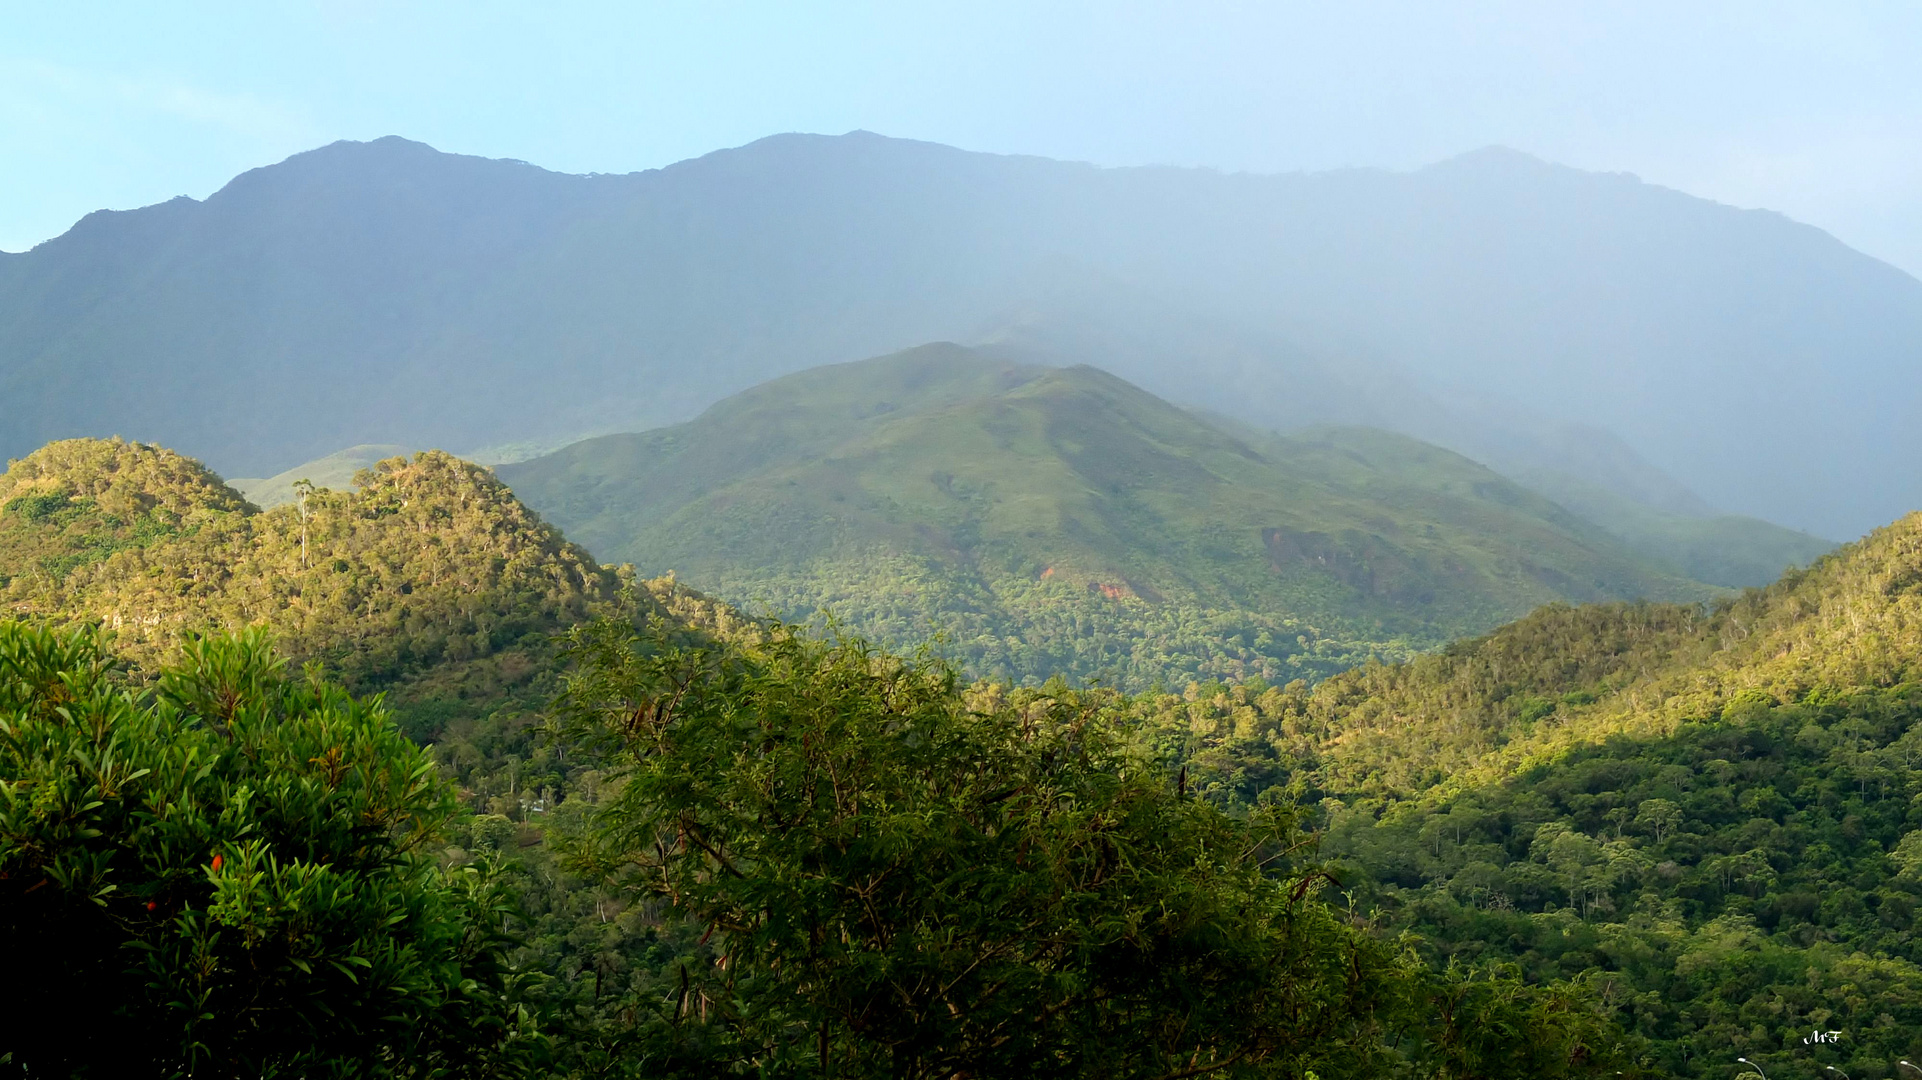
(1812, 109)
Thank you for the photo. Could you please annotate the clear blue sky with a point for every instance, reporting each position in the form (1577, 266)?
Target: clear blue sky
(1814, 109)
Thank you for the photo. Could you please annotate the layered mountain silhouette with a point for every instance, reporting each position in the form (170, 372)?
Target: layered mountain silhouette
(1680, 354)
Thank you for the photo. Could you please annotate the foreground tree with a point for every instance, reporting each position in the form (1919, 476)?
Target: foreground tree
(228, 877)
(889, 883)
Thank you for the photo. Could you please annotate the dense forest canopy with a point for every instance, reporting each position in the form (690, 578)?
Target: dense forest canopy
(1735, 885)
(1481, 709)
(838, 865)
(1711, 810)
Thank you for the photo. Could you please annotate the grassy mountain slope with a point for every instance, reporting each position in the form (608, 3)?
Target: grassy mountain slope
(1656, 520)
(1062, 520)
(336, 471)
(431, 581)
(1722, 549)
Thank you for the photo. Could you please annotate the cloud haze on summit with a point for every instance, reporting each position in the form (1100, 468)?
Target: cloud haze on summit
(1811, 110)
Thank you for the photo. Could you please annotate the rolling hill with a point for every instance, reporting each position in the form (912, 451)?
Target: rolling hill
(1524, 314)
(1061, 520)
(431, 582)
(1486, 708)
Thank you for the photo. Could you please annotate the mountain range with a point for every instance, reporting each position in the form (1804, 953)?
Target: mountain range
(1583, 332)
(1421, 511)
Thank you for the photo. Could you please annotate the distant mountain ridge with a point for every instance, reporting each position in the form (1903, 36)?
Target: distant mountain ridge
(1665, 525)
(336, 471)
(1039, 520)
(386, 293)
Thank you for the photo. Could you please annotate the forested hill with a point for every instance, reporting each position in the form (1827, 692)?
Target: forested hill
(386, 293)
(1038, 521)
(1566, 676)
(1711, 817)
(431, 579)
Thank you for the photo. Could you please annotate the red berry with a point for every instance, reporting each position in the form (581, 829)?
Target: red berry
(153, 905)
(216, 864)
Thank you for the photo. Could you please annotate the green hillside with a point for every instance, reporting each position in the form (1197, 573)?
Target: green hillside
(1688, 540)
(431, 581)
(1044, 521)
(1709, 815)
(1700, 820)
(1718, 811)
(1485, 708)
(1721, 549)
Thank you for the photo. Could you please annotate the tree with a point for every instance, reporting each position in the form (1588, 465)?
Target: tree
(1490, 1023)
(303, 489)
(1661, 816)
(230, 874)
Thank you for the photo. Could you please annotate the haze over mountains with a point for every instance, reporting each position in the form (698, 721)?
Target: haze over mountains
(1060, 520)
(1599, 337)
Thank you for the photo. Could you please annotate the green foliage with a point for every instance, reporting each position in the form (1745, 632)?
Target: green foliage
(749, 845)
(1734, 886)
(1491, 1022)
(431, 581)
(76, 504)
(1480, 710)
(1404, 727)
(1705, 814)
(232, 876)
(873, 875)
(1026, 632)
(1041, 521)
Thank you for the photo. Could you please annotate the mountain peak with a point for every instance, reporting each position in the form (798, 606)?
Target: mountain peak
(819, 150)
(1495, 162)
(383, 162)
